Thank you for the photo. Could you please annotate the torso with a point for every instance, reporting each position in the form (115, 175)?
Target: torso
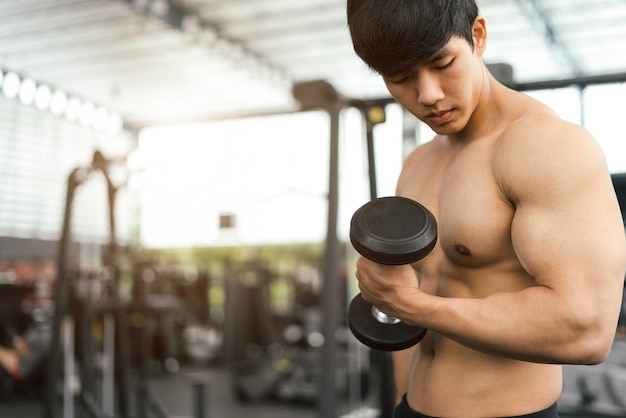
(474, 258)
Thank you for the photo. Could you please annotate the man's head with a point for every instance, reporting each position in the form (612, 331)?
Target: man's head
(393, 35)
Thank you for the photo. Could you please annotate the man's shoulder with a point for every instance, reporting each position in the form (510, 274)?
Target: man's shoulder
(540, 148)
(520, 114)
(424, 150)
(540, 132)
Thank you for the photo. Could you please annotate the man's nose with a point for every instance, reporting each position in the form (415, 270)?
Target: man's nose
(428, 89)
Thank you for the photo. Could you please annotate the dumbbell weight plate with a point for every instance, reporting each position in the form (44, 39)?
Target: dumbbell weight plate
(377, 335)
(393, 230)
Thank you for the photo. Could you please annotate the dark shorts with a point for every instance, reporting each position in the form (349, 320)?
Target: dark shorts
(404, 411)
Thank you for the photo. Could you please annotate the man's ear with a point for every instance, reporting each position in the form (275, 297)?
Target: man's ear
(479, 34)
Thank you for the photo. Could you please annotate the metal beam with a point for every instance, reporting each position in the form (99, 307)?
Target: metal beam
(534, 85)
(331, 294)
(383, 101)
(567, 82)
(319, 94)
(186, 19)
(536, 12)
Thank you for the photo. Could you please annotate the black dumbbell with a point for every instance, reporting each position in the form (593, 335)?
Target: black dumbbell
(392, 231)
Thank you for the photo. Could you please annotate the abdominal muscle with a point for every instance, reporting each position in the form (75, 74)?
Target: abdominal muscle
(450, 380)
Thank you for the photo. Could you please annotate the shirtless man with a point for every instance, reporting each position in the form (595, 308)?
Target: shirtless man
(529, 267)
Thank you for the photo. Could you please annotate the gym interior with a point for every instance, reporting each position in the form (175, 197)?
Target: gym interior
(178, 180)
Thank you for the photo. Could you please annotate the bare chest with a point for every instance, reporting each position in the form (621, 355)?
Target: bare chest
(474, 218)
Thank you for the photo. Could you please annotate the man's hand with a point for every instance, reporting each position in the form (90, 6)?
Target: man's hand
(392, 289)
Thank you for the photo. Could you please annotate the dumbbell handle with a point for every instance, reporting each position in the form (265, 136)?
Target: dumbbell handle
(382, 317)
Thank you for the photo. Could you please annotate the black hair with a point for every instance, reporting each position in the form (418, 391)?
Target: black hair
(391, 36)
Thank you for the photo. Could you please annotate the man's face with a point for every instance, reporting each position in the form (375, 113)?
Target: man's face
(443, 91)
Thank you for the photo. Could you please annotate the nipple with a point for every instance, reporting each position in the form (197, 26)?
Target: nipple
(461, 249)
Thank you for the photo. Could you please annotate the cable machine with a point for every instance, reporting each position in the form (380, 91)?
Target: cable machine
(65, 321)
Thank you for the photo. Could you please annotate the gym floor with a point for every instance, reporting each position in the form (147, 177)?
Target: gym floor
(175, 393)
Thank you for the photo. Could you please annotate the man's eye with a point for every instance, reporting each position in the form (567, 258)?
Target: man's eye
(398, 80)
(443, 67)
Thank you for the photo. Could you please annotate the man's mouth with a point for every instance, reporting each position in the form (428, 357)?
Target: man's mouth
(439, 118)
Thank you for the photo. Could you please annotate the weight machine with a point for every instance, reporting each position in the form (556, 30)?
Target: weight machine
(115, 388)
(65, 320)
(319, 94)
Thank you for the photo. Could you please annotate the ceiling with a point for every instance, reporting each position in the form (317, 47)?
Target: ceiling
(159, 62)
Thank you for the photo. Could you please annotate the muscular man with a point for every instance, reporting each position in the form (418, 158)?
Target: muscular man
(529, 268)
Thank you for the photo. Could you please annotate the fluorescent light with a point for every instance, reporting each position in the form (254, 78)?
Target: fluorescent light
(86, 114)
(58, 105)
(11, 85)
(101, 118)
(115, 124)
(43, 97)
(73, 109)
(28, 89)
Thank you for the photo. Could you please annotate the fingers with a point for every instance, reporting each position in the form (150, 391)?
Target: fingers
(369, 278)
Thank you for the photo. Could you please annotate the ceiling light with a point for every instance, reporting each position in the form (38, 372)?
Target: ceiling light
(86, 114)
(58, 103)
(73, 109)
(43, 97)
(115, 124)
(11, 85)
(28, 89)
(101, 118)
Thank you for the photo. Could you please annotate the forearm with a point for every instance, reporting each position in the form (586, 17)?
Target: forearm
(535, 324)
